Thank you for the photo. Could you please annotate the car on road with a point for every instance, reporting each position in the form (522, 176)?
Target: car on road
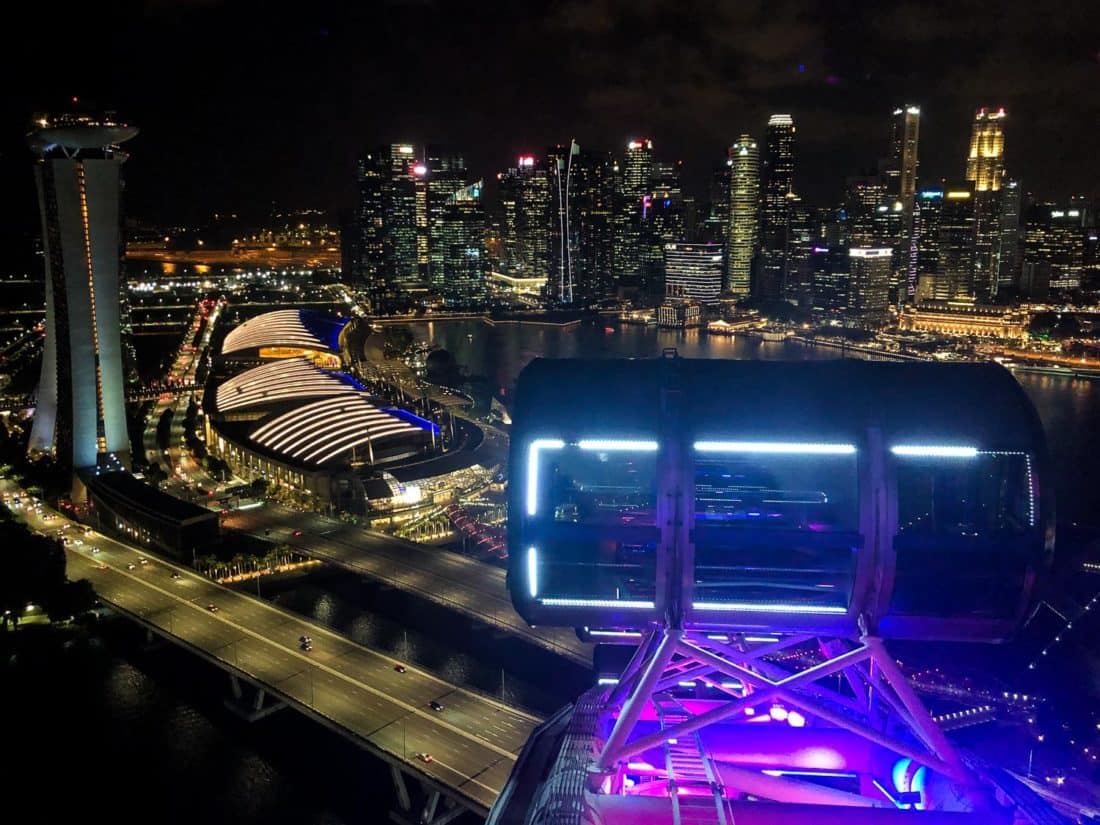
(131, 566)
(93, 549)
(305, 642)
(297, 532)
(101, 566)
(434, 705)
(176, 574)
(213, 608)
(425, 757)
(77, 542)
(143, 560)
(399, 668)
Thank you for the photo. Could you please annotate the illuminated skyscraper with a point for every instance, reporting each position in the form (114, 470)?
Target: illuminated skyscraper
(901, 171)
(955, 246)
(744, 205)
(581, 236)
(439, 177)
(869, 282)
(634, 178)
(80, 411)
(985, 164)
(525, 204)
(693, 270)
(389, 257)
(1010, 232)
(460, 242)
(1055, 244)
(778, 177)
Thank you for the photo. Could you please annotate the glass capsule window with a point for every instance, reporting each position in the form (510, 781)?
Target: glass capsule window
(776, 527)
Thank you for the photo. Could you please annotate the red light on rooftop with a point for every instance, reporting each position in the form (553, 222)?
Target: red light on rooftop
(76, 99)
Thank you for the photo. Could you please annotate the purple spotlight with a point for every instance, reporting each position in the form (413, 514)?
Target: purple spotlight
(801, 67)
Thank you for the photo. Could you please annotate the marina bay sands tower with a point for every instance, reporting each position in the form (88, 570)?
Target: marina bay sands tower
(80, 412)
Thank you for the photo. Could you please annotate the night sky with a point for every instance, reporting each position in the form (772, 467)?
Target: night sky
(241, 106)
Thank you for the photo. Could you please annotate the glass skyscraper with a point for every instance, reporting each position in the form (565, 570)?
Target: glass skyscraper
(778, 183)
(744, 205)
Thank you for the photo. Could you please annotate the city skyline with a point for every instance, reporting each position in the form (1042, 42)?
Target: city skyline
(534, 79)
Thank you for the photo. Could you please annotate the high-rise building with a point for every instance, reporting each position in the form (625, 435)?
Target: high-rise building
(1055, 244)
(369, 263)
(80, 411)
(802, 235)
(716, 224)
(869, 282)
(525, 204)
(390, 254)
(955, 246)
(901, 171)
(985, 164)
(693, 270)
(927, 212)
(985, 169)
(401, 213)
(441, 174)
(778, 183)
(581, 230)
(1010, 232)
(744, 206)
(460, 241)
(635, 173)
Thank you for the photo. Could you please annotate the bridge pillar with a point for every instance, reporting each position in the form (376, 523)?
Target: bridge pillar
(402, 789)
(250, 711)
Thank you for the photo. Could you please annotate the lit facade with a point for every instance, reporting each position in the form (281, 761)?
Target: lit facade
(964, 318)
(778, 174)
(392, 215)
(985, 163)
(80, 412)
(869, 281)
(525, 205)
(955, 245)
(581, 230)
(461, 245)
(1055, 244)
(442, 174)
(693, 270)
(744, 206)
(634, 177)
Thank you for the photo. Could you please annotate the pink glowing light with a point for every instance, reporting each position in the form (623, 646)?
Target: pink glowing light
(778, 713)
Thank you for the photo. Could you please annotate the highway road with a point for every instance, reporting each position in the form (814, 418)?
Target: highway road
(474, 740)
(460, 583)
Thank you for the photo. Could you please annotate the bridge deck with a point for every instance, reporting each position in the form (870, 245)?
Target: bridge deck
(463, 584)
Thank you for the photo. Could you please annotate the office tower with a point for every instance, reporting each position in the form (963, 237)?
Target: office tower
(389, 255)
(581, 231)
(80, 411)
(401, 225)
(460, 241)
(744, 206)
(985, 164)
(439, 177)
(633, 185)
(869, 282)
(371, 274)
(716, 224)
(927, 211)
(778, 183)
(525, 204)
(985, 169)
(801, 238)
(955, 242)
(1055, 245)
(829, 263)
(901, 170)
(865, 199)
(693, 270)
(1010, 232)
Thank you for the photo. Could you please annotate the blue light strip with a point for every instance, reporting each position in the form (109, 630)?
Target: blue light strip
(775, 447)
(934, 451)
(627, 605)
(412, 418)
(533, 469)
(533, 571)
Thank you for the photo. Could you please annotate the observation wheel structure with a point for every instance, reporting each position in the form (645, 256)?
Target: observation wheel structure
(758, 533)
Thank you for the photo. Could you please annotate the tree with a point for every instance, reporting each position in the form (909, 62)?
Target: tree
(71, 599)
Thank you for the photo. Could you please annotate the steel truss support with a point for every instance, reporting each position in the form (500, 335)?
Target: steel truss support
(868, 696)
